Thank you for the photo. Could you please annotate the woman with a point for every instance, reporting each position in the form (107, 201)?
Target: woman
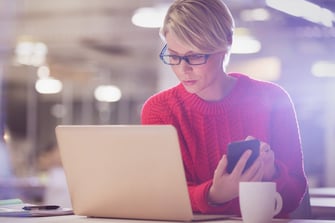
(210, 108)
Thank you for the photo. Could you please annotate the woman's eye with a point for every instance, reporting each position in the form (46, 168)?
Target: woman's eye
(174, 57)
(195, 57)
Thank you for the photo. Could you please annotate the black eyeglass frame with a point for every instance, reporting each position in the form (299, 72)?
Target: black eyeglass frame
(185, 58)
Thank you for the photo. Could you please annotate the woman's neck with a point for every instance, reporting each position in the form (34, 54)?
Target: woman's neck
(219, 89)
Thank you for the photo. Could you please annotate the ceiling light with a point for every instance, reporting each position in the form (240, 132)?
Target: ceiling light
(48, 86)
(150, 17)
(323, 69)
(244, 42)
(31, 53)
(107, 93)
(259, 14)
(304, 9)
(245, 45)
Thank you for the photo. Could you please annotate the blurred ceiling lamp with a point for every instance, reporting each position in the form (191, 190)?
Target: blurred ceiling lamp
(7, 136)
(259, 14)
(324, 69)
(31, 53)
(107, 93)
(244, 42)
(48, 86)
(304, 9)
(150, 17)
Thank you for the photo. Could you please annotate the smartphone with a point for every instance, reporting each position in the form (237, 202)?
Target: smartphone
(236, 149)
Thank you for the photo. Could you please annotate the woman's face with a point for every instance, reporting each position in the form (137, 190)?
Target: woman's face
(203, 80)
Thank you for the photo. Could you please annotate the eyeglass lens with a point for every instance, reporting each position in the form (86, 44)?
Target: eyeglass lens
(194, 59)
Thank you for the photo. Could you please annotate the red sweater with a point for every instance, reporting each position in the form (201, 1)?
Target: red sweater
(257, 108)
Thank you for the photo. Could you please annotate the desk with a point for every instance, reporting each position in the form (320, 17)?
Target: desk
(322, 192)
(81, 219)
(323, 202)
(323, 207)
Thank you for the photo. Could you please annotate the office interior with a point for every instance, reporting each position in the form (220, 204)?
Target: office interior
(95, 62)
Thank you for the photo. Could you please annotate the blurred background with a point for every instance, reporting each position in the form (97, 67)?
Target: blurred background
(96, 62)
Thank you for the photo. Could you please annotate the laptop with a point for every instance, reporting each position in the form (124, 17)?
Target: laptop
(126, 171)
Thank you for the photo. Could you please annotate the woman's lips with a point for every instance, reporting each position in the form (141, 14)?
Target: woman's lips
(189, 82)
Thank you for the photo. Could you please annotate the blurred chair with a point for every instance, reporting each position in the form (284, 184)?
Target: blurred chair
(304, 210)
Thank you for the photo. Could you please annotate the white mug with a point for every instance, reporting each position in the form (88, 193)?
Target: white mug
(259, 201)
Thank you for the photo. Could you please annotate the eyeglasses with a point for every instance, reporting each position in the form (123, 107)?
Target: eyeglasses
(193, 59)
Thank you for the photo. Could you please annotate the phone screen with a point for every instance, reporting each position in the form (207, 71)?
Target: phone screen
(236, 149)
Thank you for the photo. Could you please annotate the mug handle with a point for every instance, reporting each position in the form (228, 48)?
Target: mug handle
(279, 204)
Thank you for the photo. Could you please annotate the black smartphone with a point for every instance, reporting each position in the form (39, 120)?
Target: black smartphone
(236, 149)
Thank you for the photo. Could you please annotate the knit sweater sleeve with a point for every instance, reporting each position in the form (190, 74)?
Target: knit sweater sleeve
(286, 143)
(284, 138)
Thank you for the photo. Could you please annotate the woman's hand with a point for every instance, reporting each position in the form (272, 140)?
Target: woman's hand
(225, 186)
(268, 159)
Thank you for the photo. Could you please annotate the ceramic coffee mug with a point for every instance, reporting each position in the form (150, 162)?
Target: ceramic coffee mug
(259, 201)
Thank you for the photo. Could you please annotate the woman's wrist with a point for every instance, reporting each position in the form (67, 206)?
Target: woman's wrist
(212, 198)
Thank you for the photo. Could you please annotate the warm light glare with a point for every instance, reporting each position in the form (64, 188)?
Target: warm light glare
(259, 14)
(244, 42)
(149, 17)
(304, 9)
(323, 69)
(245, 45)
(107, 93)
(31, 53)
(7, 137)
(48, 86)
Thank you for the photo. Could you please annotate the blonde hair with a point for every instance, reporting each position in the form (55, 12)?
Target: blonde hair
(206, 25)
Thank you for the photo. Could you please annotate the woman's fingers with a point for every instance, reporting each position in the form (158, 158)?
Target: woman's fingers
(221, 167)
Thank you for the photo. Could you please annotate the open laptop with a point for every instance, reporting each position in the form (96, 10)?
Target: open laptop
(126, 171)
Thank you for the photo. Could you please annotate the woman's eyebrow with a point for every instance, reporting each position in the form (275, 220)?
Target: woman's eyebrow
(175, 52)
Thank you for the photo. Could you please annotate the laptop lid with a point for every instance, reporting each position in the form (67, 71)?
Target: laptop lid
(125, 171)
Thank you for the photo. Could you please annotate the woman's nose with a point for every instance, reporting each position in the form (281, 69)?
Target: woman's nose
(185, 66)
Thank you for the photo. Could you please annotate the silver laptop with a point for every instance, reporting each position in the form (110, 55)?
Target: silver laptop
(126, 171)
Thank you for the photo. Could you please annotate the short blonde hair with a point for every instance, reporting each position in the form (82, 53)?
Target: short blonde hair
(206, 25)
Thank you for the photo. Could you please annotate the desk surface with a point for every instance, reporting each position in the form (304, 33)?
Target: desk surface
(81, 219)
(323, 207)
(323, 202)
(322, 192)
